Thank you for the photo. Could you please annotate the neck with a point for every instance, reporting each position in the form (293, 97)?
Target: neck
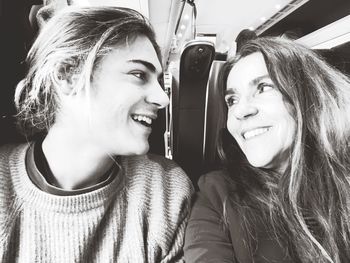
(74, 161)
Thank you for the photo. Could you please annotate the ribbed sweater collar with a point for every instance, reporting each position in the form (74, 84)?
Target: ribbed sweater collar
(28, 193)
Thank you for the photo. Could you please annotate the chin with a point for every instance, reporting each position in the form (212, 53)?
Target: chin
(258, 163)
(140, 150)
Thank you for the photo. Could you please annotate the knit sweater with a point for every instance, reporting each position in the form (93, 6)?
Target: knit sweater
(139, 217)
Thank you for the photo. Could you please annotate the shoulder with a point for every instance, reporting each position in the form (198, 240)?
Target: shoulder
(160, 171)
(208, 237)
(7, 150)
(214, 179)
(11, 156)
(216, 195)
(215, 187)
(153, 161)
(156, 182)
(160, 190)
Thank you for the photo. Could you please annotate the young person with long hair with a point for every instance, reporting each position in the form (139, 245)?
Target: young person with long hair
(83, 188)
(284, 194)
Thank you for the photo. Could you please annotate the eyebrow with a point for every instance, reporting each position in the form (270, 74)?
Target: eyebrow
(253, 82)
(229, 92)
(147, 64)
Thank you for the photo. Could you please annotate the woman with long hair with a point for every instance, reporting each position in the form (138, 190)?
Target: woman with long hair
(83, 189)
(284, 194)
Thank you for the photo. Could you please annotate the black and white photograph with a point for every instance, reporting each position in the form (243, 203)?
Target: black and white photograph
(164, 131)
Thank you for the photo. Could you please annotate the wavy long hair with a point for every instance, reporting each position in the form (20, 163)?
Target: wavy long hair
(308, 206)
(72, 43)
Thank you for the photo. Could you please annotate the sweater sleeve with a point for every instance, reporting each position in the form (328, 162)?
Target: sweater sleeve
(166, 209)
(180, 212)
(207, 238)
(8, 203)
(175, 254)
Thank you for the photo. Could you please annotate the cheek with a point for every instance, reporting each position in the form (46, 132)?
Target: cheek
(287, 130)
(232, 125)
(290, 131)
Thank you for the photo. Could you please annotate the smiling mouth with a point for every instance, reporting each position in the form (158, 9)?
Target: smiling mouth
(255, 132)
(142, 119)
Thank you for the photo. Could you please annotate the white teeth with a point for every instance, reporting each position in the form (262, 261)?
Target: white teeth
(146, 119)
(249, 134)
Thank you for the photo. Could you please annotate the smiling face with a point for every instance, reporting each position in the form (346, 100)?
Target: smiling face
(124, 98)
(258, 118)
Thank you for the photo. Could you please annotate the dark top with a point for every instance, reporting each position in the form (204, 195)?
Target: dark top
(215, 230)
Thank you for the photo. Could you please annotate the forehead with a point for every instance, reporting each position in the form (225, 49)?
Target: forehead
(246, 70)
(140, 49)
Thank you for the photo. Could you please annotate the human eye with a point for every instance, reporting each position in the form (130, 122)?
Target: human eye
(264, 87)
(231, 100)
(139, 74)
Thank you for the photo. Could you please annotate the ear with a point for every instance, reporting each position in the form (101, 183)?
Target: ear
(67, 79)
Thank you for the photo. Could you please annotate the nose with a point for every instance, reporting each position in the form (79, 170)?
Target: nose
(157, 96)
(244, 109)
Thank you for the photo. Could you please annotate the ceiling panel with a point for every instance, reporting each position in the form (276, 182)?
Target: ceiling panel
(226, 18)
